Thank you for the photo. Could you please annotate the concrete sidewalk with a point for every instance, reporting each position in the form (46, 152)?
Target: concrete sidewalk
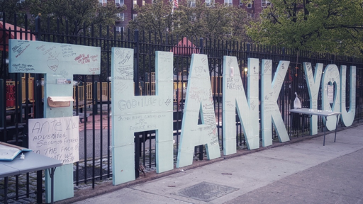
(301, 172)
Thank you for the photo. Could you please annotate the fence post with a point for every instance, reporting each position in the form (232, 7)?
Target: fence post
(284, 90)
(38, 80)
(137, 93)
(136, 62)
(199, 120)
(95, 97)
(3, 80)
(2, 102)
(248, 51)
(332, 59)
(201, 46)
(38, 109)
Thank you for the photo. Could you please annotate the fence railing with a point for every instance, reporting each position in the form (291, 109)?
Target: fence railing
(145, 88)
(22, 95)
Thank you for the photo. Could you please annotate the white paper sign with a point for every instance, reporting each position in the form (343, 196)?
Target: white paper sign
(56, 138)
(331, 93)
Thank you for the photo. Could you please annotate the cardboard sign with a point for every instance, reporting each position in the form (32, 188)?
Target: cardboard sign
(348, 116)
(270, 112)
(199, 101)
(132, 113)
(234, 98)
(331, 75)
(56, 138)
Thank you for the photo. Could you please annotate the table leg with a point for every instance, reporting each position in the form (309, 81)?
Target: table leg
(303, 125)
(5, 190)
(298, 125)
(324, 130)
(336, 127)
(51, 174)
(303, 122)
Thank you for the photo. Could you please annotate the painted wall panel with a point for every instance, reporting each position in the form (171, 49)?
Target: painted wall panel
(57, 61)
(313, 84)
(199, 99)
(132, 114)
(348, 116)
(269, 94)
(331, 75)
(234, 97)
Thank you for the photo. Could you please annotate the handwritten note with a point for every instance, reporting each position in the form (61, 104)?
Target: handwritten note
(270, 110)
(140, 113)
(164, 59)
(47, 57)
(199, 101)
(56, 138)
(234, 98)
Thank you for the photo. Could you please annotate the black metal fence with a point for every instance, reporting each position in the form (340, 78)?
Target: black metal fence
(21, 94)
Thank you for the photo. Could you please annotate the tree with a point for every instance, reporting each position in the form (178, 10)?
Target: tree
(215, 22)
(212, 22)
(333, 26)
(156, 17)
(75, 18)
(79, 14)
(10, 8)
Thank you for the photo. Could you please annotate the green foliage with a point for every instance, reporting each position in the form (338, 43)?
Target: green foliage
(333, 26)
(155, 17)
(212, 22)
(80, 14)
(74, 18)
(10, 8)
(216, 22)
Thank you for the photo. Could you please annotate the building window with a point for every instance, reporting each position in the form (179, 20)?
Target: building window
(121, 16)
(193, 17)
(228, 2)
(143, 2)
(249, 15)
(135, 3)
(175, 3)
(119, 2)
(192, 3)
(265, 3)
(119, 28)
(102, 2)
(209, 2)
(249, 4)
(134, 16)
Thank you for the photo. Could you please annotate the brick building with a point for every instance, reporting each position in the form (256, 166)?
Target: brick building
(254, 8)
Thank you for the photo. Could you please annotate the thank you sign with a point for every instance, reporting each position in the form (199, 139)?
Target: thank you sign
(57, 138)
